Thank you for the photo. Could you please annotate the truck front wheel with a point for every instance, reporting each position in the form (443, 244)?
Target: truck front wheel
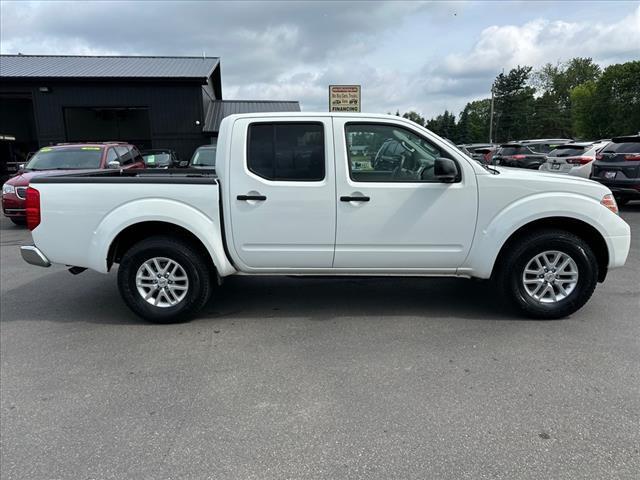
(550, 274)
(164, 279)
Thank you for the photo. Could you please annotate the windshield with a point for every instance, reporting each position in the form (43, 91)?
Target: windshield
(204, 157)
(157, 159)
(65, 158)
(567, 151)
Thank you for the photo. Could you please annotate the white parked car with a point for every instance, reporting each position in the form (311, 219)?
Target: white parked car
(573, 158)
(288, 198)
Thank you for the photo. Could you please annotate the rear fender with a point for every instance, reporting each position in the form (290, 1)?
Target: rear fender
(205, 228)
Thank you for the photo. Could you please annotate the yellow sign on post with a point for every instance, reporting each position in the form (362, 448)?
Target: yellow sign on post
(344, 98)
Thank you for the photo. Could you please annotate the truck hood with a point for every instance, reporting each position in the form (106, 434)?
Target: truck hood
(23, 178)
(537, 181)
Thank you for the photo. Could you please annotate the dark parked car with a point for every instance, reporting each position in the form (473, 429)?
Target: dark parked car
(204, 157)
(618, 167)
(162, 158)
(526, 153)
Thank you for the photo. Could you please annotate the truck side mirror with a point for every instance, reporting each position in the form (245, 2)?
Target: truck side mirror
(445, 170)
(113, 164)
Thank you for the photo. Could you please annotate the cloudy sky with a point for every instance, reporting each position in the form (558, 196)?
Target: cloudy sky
(406, 55)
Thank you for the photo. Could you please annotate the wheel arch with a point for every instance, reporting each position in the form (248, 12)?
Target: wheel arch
(580, 228)
(136, 232)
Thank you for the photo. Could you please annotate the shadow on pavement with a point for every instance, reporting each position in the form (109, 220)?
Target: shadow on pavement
(92, 297)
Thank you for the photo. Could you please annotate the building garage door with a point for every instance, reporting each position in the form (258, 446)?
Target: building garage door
(127, 124)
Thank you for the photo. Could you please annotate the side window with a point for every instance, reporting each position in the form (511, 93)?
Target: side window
(286, 151)
(111, 155)
(125, 155)
(136, 156)
(406, 157)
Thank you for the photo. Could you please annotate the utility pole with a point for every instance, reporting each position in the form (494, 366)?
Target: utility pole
(491, 117)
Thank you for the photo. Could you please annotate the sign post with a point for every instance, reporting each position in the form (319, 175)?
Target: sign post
(344, 98)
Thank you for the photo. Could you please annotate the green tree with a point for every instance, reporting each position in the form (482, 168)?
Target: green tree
(473, 125)
(414, 117)
(514, 104)
(549, 118)
(444, 125)
(616, 103)
(585, 124)
(552, 112)
(609, 106)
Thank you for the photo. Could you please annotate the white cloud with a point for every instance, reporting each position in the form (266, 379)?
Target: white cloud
(294, 50)
(540, 41)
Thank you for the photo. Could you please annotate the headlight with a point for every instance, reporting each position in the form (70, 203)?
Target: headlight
(6, 188)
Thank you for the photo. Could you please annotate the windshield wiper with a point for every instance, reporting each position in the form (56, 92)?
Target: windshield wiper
(490, 169)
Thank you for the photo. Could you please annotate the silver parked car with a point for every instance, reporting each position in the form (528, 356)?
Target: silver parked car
(572, 158)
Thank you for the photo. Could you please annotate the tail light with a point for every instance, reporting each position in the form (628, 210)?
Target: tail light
(518, 157)
(579, 160)
(33, 208)
(633, 156)
(609, 202)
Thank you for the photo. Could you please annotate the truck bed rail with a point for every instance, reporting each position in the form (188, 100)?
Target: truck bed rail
(188, 175)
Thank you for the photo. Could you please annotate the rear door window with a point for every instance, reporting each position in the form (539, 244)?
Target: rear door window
(287, 151)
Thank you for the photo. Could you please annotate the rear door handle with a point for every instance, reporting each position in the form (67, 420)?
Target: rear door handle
(252, 197)
(348, 198)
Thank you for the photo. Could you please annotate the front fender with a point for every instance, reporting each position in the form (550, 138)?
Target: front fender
(492, 233)
(205, 227)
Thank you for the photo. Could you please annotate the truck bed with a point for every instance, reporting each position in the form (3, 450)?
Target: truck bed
(82, 212)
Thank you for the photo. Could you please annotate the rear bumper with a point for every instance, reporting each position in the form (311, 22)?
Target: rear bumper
(546, 167)
(32, 254)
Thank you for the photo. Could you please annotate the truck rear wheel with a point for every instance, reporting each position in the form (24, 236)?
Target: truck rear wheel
(550, 274)
(164, 279)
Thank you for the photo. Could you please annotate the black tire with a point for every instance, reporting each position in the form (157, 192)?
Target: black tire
(20, 221)
(192, 261)
(511, 270)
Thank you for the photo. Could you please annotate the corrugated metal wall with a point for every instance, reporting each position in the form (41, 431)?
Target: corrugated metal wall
(174, 108)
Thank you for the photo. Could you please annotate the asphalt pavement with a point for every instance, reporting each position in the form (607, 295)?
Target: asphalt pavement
(315, 378)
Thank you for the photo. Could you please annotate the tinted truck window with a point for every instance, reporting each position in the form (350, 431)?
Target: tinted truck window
(287, 151)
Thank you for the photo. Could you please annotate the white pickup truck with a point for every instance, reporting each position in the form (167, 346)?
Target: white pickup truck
(329, 194)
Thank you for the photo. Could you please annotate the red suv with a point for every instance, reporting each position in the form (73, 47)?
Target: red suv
(60, 158)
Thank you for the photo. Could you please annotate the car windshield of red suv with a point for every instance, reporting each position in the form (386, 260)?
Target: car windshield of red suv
(65, 158)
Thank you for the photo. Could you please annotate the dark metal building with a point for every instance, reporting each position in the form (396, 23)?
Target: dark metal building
(153, 102)
(219, 109)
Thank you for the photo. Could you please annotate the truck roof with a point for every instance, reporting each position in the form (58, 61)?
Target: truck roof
(318, 114)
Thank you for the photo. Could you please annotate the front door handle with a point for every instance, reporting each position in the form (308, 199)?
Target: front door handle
(252, 197)
(348, 198)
